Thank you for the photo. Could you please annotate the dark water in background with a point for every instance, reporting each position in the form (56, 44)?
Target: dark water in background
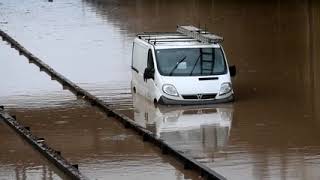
(272, 130)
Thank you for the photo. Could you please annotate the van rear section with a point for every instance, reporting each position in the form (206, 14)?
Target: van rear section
(182, 67)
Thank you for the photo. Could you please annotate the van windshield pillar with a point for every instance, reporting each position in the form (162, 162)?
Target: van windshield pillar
(150, 64)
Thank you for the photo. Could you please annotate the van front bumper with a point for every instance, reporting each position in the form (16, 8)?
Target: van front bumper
(166, 101)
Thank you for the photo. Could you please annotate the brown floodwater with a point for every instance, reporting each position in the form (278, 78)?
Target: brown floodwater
(18, 160)
(270, 132)
(101, 146)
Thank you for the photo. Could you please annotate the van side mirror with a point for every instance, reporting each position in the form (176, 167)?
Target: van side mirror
(148, 74)
(232, 70)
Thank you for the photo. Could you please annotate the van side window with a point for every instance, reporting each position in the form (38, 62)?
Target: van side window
(150, 64)
(139, 57)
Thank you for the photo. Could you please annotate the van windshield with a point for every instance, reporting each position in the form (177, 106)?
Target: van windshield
(190, 61)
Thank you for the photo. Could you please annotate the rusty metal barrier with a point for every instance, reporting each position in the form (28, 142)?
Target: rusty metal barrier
(39, 144)
(188, 162)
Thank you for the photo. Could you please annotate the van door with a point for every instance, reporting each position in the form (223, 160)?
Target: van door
(149, 83)
(139, 63)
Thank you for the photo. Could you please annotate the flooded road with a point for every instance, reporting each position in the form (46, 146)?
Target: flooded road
(19, 160)
(101, 147)
(270, 132)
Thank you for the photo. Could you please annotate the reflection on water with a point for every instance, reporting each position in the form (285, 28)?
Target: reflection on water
(186, 127)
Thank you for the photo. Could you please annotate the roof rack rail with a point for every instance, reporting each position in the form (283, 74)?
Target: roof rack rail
(199, 34)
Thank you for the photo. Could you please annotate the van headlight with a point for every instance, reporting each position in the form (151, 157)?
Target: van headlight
(170, 90)
(225, 88)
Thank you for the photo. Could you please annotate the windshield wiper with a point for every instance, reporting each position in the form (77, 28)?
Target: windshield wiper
(175, 67)
(194, 66)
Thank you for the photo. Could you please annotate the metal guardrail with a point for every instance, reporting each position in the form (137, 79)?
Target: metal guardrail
(188, 162)
(40, 145)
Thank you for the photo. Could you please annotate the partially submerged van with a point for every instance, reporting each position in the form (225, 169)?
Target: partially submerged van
(184, 67)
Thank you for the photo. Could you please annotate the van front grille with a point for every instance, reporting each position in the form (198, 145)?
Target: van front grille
(199, 96)
(189, 96)
(209, 96)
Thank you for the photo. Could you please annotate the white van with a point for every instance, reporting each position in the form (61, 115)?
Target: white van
(184, 67)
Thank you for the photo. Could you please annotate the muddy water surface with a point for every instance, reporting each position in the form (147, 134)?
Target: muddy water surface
(18, 160)
(101, 146)
(270, 132)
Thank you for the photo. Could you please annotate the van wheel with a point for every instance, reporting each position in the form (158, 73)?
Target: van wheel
(134, 89)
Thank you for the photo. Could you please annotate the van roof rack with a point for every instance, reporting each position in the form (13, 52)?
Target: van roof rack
(184, 34)
(199, 34)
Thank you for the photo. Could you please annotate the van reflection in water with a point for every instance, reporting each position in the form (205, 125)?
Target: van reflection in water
(186, 127)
